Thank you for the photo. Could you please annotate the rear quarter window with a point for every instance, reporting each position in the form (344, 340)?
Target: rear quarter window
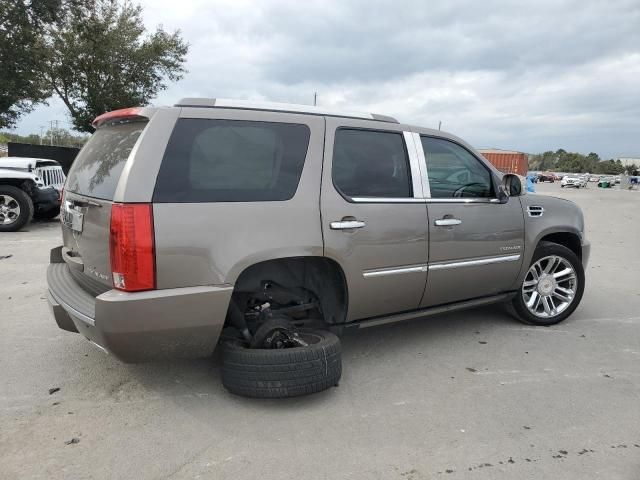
(96, 170)
(231, 161)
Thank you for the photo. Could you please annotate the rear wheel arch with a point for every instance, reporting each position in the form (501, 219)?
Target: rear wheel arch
(320, 275)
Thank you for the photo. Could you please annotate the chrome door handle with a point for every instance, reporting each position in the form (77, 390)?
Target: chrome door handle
(447, 222)
(347, 224)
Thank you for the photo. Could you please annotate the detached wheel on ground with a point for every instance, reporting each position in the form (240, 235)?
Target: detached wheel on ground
(16, 208)
(283, 372)
(552, 288)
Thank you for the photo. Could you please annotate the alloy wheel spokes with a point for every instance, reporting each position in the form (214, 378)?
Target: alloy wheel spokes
(549, 287)
(9, 209)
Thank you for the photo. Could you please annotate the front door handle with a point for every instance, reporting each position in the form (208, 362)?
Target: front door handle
(447, 222)
(347, 224)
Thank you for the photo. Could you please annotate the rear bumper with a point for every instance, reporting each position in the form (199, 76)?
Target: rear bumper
(141, 326)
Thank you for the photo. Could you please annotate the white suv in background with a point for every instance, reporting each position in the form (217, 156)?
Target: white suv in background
(573, 181)
(29, 187)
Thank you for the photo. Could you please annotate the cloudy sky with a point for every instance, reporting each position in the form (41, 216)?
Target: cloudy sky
(529, 76)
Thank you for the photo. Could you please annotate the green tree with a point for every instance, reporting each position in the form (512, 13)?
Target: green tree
(100, 58)
(56, 136)
(21, 54)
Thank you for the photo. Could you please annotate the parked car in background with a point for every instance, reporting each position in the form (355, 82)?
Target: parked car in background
(269, 228)
(606, 181)
(29, 187)
(576, 181)
(546, 177)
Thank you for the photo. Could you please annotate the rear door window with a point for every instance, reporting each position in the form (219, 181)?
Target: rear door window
(231, 161)
(370, 163)
(96, 170)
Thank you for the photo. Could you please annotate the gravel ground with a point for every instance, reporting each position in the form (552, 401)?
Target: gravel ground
(465, 395)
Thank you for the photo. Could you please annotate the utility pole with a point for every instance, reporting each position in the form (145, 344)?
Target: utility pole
(439, 124)
(315, 98)
(53, 127)
(41, 133)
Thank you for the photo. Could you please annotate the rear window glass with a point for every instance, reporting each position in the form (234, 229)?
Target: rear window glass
(231, 161)
(96, 170)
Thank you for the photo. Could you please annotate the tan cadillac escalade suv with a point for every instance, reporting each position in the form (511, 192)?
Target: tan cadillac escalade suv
(270, 228)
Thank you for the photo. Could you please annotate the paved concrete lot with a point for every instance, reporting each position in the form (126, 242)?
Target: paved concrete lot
(466, 395)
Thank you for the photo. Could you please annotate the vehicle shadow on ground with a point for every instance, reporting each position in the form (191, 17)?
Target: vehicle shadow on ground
(201, 378)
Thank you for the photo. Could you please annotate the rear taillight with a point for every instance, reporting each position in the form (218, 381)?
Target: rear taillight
(131, 246)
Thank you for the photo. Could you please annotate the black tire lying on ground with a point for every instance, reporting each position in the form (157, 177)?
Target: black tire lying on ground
(286, 372)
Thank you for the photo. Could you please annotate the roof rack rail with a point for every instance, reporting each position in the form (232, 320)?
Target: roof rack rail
(278, 107)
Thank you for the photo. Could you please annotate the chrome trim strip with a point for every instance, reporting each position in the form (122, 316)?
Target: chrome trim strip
(414, 164)
(387, 200)
(422, 200)
(422, 163)
(474, 263)
(381, 272)
(463, 200)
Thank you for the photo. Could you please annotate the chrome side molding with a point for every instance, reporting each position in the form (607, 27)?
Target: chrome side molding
(474, 263)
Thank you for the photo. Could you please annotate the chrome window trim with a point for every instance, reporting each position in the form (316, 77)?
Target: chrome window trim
(414, 165)
(474, 263)
(387, 200)
(422, 163)
(422, 200)
(381, 272)
(463, 200)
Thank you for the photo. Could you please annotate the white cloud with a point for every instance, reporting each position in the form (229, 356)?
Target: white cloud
(528, 76)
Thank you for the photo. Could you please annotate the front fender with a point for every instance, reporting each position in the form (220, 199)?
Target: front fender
(560, 216)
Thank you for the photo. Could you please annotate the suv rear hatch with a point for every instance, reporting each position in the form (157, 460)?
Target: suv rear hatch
(88, 199)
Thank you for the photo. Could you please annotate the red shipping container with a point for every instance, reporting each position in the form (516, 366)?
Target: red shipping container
(508, 161)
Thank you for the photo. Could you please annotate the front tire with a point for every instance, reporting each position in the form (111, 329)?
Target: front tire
(16, 208)
(282, 372)
(552, 288)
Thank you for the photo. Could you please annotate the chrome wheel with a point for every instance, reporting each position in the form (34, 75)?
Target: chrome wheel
(9, 209)
(550, 286)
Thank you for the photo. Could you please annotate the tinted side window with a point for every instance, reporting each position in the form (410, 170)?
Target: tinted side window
(231, 161)
(454, 172)
(369, 163)
(96, 170)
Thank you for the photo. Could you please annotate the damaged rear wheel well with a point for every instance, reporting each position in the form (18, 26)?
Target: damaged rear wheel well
(294, 280)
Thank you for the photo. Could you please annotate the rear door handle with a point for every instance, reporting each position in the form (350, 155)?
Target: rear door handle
(347, 224)
(447, 222)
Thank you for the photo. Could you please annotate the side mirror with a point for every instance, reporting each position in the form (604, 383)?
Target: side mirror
(512, 186)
